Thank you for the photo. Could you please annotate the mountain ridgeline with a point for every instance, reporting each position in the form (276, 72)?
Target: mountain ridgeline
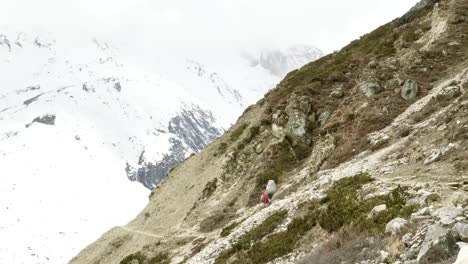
(367, 145)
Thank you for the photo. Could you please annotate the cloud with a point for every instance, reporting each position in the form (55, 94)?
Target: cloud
(151, 26)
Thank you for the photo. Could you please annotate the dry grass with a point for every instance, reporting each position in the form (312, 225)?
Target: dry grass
(395, 247)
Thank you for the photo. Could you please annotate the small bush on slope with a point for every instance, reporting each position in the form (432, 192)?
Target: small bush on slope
(345, 206)
(245, 241)
(228, 229)
(140, 258)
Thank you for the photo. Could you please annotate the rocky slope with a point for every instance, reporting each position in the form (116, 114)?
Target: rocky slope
(369, 149)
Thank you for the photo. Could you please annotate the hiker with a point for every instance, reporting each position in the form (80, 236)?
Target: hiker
(264, 198)
(271, 189)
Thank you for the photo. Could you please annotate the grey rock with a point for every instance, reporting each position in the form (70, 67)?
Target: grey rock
(412, 253)
(372, 64)
(423, 211)
(5, 42)
(305, 105)
(118, 86)
(296, 128)
(395, 225)
(376, 211)
(48, 119)
(337, 94)
(435, 155)
(448, 93)
(312, 118)
(460, 231)
(415, 201)
(407, 238)
(259, 148)
(447, 215)
(409, 90)
(431, 197)
(420, 218)
(323, 117)
(439, 244)
(371, 89)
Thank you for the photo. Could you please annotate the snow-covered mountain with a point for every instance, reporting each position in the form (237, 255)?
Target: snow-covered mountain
(80, 127)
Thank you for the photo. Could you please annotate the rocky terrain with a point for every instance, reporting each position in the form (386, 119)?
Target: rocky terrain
(368, 145)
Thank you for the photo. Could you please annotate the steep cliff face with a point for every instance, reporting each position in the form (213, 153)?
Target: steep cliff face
(368, 146)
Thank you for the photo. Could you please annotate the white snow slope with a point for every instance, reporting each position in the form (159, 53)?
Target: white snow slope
(76, 124)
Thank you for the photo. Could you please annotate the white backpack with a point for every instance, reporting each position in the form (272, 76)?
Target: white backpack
(271, 187)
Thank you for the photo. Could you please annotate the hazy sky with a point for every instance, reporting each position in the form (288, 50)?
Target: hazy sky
(206, 24)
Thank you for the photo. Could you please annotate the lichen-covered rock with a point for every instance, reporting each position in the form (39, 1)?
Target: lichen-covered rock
(409, 90)
(296, 129)
(371, 89)
(439, 244)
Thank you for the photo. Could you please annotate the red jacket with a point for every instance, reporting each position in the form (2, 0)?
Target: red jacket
(265, 197)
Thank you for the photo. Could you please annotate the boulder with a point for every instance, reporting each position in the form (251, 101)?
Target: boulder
(296, 129)
(460, 231)
(409, 90)
(337, 94)
(395, 225)
(376, 211)
(371, 89)
(462, 254)
(447, 215)
(439, 244)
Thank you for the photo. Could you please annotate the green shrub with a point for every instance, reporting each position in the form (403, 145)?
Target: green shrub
(342, 206)
(281, 243)
(237, 132)
(345, 206)
(278, 244)
(160, 258)
(228, 229)
(138, 256)
(210, 188)
(256, 234)
(222, 148)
